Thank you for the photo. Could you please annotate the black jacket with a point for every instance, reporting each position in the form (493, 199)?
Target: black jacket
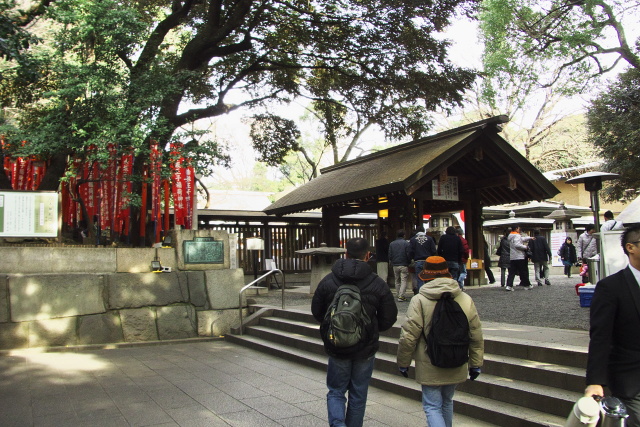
(399, 252)
(568, 253)
(614, 348)
(421, 247)
(540, 251)
(376, 297)
(450, 247)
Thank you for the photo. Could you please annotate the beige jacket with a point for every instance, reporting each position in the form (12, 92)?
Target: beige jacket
(412, 342)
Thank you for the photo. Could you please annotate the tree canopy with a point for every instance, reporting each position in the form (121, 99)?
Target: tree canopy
(579, 40)
(613, 119)
(127, 72)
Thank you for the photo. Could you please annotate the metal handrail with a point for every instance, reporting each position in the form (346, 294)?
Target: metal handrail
(250, 285)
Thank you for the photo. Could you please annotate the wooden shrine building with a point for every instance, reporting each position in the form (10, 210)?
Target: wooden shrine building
(462, 169)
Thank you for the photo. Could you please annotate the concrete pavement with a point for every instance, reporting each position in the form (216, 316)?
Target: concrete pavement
(200, 383)
(212, 383)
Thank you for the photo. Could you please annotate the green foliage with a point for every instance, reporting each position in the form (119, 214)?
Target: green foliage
(613, 119)
(14, 39)
(127, 72)
(560, 43)
(273, 137)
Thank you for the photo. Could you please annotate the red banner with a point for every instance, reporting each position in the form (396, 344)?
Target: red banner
(178, 180)
(189, 194)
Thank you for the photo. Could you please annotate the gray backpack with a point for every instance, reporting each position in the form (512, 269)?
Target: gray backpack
(346, 317)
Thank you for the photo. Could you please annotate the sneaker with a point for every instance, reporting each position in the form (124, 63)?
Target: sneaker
(548, 283)
(509, 288)
(529, 287)
(402, 299)
(539, 284)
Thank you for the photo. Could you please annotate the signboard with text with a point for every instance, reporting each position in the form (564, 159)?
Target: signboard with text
(203, 250)
(28, 214)
(446, 189)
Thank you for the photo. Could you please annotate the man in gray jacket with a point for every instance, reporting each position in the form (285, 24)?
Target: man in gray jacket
(399, 258)
(518, 263)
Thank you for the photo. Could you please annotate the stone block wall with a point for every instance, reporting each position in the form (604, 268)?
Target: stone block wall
(83, 308)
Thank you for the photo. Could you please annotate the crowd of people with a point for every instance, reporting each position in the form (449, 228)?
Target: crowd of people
(614, 350)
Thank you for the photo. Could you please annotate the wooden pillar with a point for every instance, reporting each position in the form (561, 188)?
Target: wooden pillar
(330, 228)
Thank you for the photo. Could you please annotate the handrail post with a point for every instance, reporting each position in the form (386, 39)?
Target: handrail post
(250, 285)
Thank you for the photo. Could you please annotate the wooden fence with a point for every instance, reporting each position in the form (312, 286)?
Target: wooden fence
(282, 242)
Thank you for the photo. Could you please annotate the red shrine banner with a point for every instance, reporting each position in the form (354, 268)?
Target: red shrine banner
(190, 181)
(24, 173)
(105, 188)
(123, 194)
(155, 170)
(178, 179)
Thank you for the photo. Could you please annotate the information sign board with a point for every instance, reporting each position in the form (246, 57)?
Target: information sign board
(203, 250)
(28, 214)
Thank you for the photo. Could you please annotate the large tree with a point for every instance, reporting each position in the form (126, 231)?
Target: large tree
(613, 119)
(539, 58)
(127, 72)
(580, 39)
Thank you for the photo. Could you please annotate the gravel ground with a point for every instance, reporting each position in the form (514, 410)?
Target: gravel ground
(555, 306)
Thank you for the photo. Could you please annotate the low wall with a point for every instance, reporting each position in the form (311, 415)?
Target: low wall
(77, 309)
(46, 260)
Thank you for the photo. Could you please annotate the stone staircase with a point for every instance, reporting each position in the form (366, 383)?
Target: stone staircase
(520, 385)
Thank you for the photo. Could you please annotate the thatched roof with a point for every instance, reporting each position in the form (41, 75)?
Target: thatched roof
(484, 162)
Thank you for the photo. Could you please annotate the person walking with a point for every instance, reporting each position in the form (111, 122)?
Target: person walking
(610, 223)
(450, 248)
(438, 384)
(567, 253)
(587, 247)
(518, 259)
(465, 257)
(540, 256)
(400, 260)
(487, 262)
(382, 256)
(421, 247)
(349, 369)
(614, 348)
(503, 252)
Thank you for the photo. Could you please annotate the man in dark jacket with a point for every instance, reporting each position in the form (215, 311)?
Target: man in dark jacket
(421, 247)
(614, 347)
(450, 248)
(540, 256)
(350, 368)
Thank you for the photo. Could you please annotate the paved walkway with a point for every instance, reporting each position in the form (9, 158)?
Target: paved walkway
(187, 384)
(199, 383)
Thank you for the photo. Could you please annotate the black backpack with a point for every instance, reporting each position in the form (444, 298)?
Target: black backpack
(346, 317)
(448, 338)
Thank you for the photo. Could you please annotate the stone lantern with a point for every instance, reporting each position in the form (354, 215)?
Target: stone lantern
(323, 258)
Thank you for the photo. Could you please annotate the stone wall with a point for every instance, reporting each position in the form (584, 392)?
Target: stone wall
(80, 296)
(78, 309)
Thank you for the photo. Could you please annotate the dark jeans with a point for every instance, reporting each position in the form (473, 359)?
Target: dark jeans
(417, 282)
(454, 269)
(487, 269)
(521, 268)
(345, 375)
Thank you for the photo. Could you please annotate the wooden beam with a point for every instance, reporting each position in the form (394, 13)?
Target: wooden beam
(498, 181)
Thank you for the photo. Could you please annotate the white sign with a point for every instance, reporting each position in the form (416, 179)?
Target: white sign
(445, 190)
(28, 214)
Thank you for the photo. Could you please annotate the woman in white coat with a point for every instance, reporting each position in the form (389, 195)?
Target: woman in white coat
(438, 384)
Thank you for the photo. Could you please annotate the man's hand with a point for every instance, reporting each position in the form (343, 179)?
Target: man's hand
(594, 390)
(404, 371)
(474, 373)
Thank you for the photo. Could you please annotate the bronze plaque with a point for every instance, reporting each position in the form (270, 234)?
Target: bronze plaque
(203, 250)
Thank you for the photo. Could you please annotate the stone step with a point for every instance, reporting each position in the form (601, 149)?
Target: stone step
(541, 371)
(466, 403)
(256, 290)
